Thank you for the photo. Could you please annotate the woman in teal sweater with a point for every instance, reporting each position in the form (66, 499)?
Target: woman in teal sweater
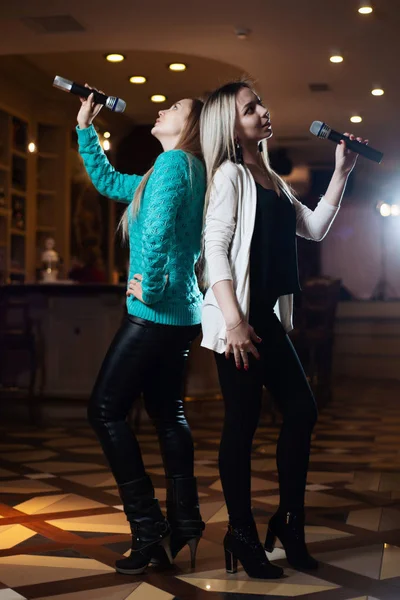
(163, 222)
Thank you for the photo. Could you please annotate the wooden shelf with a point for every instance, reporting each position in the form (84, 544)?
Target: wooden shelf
(21, 232)
(46, 192)
(52, 155)
(45, 229)
(5, 212)
(16, 192)
(17, 271)
(4, 167)
(19, 153)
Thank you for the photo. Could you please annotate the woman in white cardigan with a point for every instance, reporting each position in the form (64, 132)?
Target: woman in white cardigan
(250, 270)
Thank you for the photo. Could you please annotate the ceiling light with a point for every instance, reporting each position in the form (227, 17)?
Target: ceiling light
(377, 92)
(137, 79)
(177, 67)
(106, 145)
(356, 119)
(106, 135)
(336, 58)
(32, 147)
(115, 58)
(365, 8)
(158, 98)
(385, 209)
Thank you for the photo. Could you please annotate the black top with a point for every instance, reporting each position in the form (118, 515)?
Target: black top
(273, 251)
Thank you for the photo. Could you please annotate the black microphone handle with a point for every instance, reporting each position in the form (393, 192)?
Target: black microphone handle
(81, 90)
(356, 146)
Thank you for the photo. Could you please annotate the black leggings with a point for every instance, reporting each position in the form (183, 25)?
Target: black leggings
(280, 371)
(149, 358)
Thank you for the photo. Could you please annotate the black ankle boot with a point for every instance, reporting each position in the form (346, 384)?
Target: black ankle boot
(289, 528)
(149, 527)
(244, 545)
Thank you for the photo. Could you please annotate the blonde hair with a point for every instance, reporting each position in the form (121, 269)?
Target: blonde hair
(217, 134)
(189, 142)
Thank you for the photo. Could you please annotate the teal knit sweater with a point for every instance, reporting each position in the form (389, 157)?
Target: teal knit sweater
(164, 238)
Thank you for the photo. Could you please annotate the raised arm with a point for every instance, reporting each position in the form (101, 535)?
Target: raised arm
(105, 178)
(315, 224)
(108, 181)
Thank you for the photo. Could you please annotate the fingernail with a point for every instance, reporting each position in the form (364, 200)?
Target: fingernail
(238, 367)
(246, 368)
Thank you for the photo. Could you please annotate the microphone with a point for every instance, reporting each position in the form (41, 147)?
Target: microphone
(111, 102)
(322, 130)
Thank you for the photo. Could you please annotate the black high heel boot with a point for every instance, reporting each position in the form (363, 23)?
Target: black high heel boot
(244, 545)
(183, 515)
(149, 527)
(184, 518)
(289, 528)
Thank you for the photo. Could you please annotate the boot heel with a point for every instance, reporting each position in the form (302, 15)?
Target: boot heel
(270, 541)
(230, 562)
(193, 545)
(165, 543)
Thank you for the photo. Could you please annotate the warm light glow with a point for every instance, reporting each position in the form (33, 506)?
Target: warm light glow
(336, 58)
(137, 79)
(385, 209)
(395, 210)
(158, 98)
(177, 67)
(356, 119)
(365, 8)
(377, 92)
(106, 135)
(32, 147)
(115, 58)
(106, 145)
(208, 586)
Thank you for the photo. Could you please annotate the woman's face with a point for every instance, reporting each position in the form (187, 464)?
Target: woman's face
(252, 118)
(171, 121)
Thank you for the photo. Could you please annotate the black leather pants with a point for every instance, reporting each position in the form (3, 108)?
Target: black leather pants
(149, 358)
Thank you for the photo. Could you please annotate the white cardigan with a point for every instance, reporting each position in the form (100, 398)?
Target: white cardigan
(228, 232)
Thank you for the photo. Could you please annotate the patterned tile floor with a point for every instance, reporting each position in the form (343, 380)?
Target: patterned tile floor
(62, 528)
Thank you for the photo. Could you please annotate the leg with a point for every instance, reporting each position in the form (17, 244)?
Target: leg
(117, 385)
(242, 399)
(119, 381)
(163, 400)
(285, 378)
(163, 397)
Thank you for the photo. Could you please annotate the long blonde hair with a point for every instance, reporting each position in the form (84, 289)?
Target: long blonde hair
(189, 142)
(217, 134)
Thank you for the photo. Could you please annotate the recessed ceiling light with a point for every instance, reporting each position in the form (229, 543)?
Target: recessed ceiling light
(32, 147)
(137, 79)
(158, 98)
(106, 145)
(365, 8)
(178, 67)
(336, 58)
(356, 119)
(377, 92)
(106, 135)
(115, 58)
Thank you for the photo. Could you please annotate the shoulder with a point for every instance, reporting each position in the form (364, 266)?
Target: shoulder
(227, 174)
(172, 160)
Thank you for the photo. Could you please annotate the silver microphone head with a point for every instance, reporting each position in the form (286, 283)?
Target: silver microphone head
(62, 84)
(115, 104)
(320, 129)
